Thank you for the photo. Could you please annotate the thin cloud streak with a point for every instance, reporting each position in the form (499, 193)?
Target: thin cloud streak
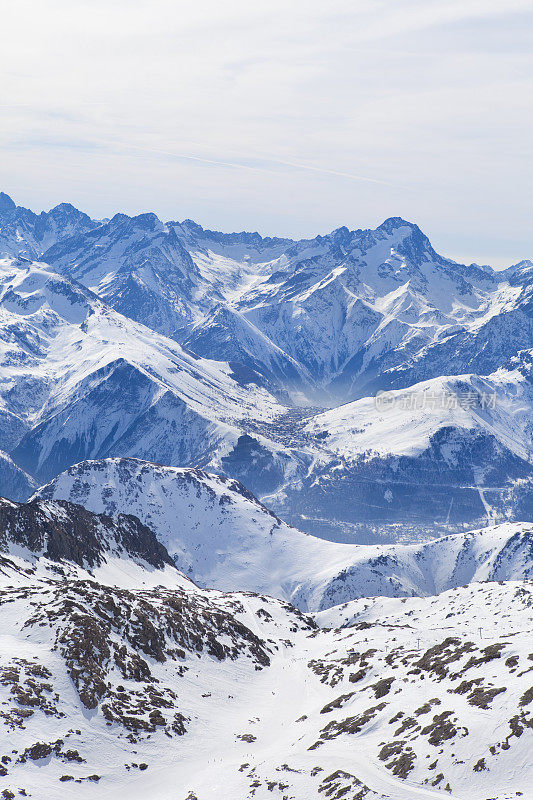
(237, 165)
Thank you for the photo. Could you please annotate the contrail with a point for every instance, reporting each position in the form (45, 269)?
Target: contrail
(350, 175)
(238, 165)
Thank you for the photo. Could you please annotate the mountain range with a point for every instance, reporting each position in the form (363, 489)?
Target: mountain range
(332, 318)
(263, 359)
(267, 519)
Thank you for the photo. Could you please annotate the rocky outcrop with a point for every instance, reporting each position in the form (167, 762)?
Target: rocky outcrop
(63, 531)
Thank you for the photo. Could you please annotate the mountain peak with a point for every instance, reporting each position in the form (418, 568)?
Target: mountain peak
(64, 208)
(341, 233)
(6, 203)
(119, 218)
(147, 221)
(392, 224)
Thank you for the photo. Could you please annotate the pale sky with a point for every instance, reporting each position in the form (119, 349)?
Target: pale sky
(290, 118)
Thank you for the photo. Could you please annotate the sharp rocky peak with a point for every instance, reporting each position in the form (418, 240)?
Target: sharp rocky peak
(6, 203)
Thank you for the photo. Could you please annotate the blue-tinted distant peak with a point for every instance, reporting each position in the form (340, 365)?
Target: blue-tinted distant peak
(190, 228)
(394, 223)
(191, 225)
(66, 211)
(64, 208)
(148, 221)
(119, 218)
(341, 232)
(6, 203)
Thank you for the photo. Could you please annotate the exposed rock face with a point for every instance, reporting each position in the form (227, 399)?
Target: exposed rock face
(62, 531)
(102, 632)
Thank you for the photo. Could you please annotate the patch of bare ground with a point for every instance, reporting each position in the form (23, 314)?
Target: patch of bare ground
(399, 758)
(349, 725)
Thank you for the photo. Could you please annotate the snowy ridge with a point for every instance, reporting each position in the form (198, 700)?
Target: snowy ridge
(222, 537)
(402, 422)
(24, 233)
(65, 356)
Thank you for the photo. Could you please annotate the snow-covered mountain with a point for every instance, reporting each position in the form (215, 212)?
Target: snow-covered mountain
(441, 452)
(222, 537)
(127, 691)
(89, 670)
(443, 455)
(79, 380)
(232, 352)
(335, 317)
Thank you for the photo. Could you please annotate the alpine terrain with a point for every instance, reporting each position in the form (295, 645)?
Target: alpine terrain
(121, 678)
(260, 359)
(266, 514)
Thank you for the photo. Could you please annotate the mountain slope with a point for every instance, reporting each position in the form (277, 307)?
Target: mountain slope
(126, 692)
(139, 266)
(363, 310)
(14, 482)
(222, 537)
(91, 675)
(66, 358)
